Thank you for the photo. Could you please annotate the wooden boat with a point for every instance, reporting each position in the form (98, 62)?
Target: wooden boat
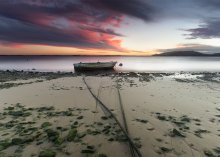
(94, 66)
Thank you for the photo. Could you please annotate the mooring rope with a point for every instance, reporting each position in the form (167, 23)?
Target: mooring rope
(124, 119)
(132, 145)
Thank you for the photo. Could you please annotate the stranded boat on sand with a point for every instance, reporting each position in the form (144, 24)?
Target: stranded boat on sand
(94, 66)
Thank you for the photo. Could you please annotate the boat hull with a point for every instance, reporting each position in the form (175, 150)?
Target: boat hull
(94, 66)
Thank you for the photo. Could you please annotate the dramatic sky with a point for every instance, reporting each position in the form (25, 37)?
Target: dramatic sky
(108, 27)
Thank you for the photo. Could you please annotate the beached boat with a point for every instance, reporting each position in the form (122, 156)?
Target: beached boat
(94, 66)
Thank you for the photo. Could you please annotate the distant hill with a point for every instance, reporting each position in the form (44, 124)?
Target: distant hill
(188, 53)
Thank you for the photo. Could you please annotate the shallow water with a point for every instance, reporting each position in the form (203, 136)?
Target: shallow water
(140, 64)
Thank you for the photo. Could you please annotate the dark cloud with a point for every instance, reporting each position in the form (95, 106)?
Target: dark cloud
(210, 29)
(209, 3)
(77, 23)
(135, 8)
(14, 31)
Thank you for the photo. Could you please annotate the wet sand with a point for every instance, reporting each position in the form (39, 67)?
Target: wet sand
(175, 114)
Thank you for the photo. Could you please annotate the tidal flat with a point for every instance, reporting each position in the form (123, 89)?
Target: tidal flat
(54, 114)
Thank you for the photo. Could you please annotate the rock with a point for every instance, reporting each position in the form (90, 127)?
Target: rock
(71, 135)
(47, 153)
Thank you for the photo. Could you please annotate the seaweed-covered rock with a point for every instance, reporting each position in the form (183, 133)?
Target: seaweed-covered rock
(80, 117)
(160, 117)
(71, 135)
(52, 135)
(104, 118)
(47, 153)
(9, 108)
(90, 147)
(165, 149)
(17, 141)
(199, 132)
(141, 120)
(208, 153)
(176, 132)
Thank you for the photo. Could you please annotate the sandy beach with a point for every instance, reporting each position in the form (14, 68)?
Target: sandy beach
(167, 114)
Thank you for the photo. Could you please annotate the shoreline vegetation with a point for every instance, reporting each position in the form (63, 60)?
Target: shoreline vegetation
(48, 114)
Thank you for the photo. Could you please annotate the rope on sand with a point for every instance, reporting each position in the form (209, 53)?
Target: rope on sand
(132, 145)
(124, 119)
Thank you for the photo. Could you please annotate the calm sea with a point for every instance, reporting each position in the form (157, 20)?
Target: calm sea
(135, 64)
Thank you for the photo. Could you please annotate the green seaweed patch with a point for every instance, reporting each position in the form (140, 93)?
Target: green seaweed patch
(71, 135)
(46, 124)
(20, 141)
(19, 113)
(28, 131)
(4, 144)
(47, 153)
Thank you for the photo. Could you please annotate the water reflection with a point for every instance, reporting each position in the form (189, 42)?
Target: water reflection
(141, 64)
